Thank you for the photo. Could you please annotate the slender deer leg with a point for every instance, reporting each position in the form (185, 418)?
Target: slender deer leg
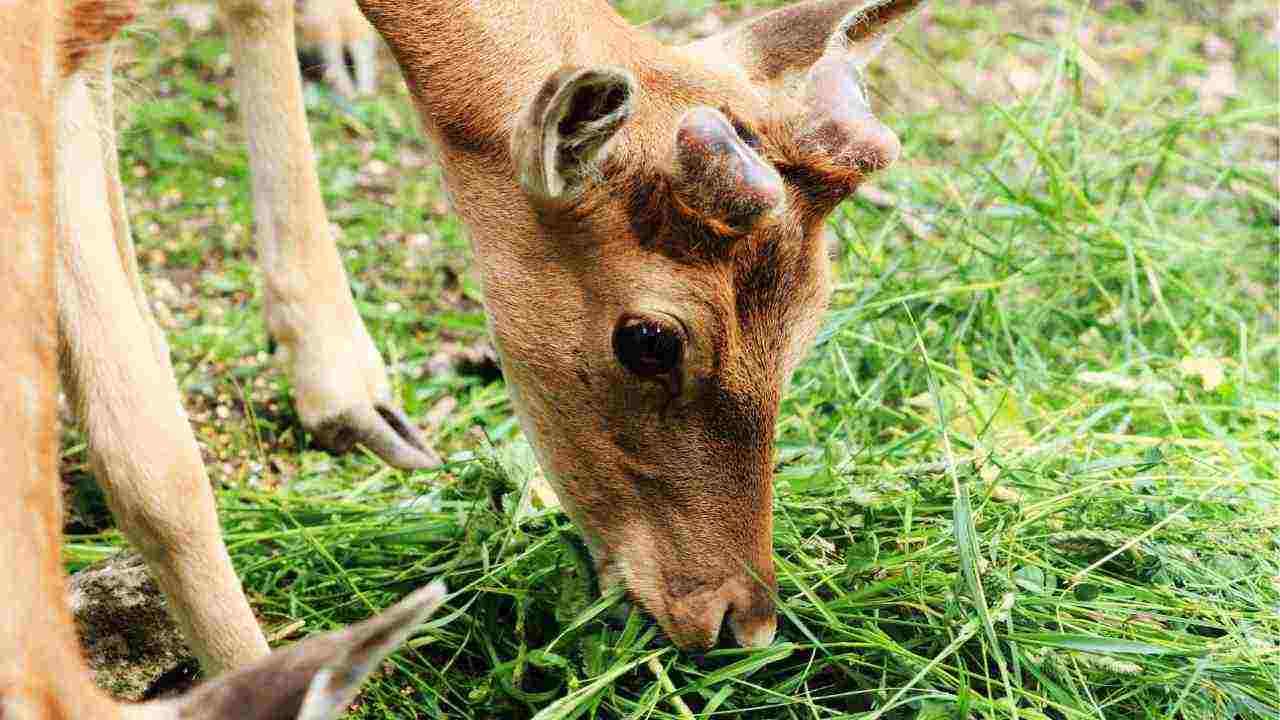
(365, 53)
(141, 445)
(102, 98)
(335, 67)
(340, 383)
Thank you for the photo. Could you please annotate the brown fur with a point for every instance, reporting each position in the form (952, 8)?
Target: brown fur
(90, 24)
(669, 481)
(38, 647)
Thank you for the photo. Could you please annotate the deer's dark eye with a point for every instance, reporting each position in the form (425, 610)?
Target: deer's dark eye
(648, 347)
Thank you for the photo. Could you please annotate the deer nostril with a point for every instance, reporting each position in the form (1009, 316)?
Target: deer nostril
(693, 620)
(698, 620)
(755, 632)
(752, 616)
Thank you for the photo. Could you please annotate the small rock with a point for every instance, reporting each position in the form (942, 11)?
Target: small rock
(124, 626)
(419, 242)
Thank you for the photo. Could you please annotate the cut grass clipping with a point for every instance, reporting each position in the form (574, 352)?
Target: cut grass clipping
(1028, 472)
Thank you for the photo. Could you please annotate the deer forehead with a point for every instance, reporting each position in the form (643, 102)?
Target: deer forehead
(755, 299)
(754, 293)
(765, 279)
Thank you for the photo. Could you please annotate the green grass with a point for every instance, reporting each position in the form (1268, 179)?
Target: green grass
(1029, 471)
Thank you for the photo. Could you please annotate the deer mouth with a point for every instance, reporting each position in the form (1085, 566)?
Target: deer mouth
(691, 609)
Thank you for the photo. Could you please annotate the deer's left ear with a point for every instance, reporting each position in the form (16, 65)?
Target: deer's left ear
(315, 679)
(563, 129)
(776, 50)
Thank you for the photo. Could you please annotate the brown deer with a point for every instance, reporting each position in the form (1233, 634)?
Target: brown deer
(648, 221)
(43, 45)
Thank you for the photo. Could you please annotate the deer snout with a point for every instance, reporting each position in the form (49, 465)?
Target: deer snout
(694, 621)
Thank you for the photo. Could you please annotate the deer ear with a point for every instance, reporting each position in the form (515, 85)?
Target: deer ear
(564, 130)
(315, 679)
(776, 50)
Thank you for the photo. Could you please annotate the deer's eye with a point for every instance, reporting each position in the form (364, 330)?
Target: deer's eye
(647, 346)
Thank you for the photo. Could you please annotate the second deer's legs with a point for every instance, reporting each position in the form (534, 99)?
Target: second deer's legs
(340, 384)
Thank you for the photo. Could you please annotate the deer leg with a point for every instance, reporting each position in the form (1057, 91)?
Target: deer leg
(102, 100)
(341, 388)
(141, 446)
(335, 67)
(365, 53)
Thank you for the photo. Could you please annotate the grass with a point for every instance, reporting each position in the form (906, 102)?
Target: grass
(1029, 471)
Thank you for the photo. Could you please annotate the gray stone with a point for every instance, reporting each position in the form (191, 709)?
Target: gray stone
(123, 621)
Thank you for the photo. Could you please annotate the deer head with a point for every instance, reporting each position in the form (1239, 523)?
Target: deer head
(648, 222)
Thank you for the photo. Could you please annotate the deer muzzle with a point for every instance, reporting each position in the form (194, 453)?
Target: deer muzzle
(692, 593)
(695, 620)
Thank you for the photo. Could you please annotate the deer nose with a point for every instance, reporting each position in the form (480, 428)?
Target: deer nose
(754, 631)
(694, 621)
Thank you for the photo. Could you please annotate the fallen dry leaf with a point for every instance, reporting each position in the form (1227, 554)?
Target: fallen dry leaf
(540, 495)
(989, 472)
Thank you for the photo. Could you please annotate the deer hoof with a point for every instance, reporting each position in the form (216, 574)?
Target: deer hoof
(384, 430)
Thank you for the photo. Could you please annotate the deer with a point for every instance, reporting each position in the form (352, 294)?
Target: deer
(648, 224)
(341, 389)
(44, 45)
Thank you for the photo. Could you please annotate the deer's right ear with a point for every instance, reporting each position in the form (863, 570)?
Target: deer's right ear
(315, 679)
(563, 131)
